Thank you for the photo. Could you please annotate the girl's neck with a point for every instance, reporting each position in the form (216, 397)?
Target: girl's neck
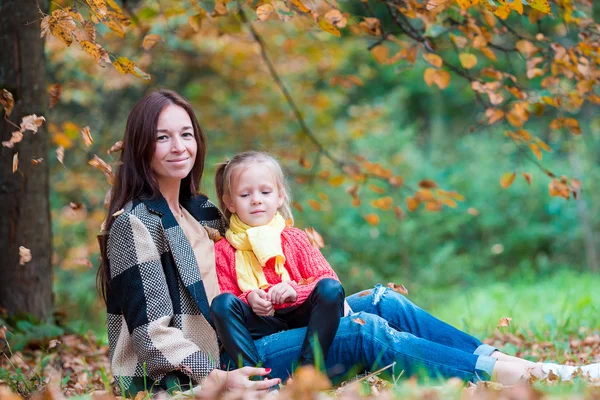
(170, 191)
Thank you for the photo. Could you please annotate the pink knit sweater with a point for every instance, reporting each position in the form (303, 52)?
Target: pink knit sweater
(305, 265)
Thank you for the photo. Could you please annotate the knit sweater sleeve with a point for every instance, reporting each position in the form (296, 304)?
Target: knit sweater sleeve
(226, 275)
(311, 264)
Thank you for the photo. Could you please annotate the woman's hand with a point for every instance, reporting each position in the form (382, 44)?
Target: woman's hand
(260, 302)
(237, 380)
(283, 293)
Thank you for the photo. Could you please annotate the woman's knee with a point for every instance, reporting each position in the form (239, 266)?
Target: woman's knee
(329, 290)
(223, 305)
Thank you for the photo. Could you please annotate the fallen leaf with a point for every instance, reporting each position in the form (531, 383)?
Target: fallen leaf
(116, 147)
(336, 18)
(507, 179)
(372, 219)
(55, 93)
(504, 321)
(315, 239)
(365, 293)
(36, 161)
(60, 154)
(306, 281)
(359, 321)
(412, 203)
(15, 163)
(7, 101)
(314, 204)
(264, 11)
(87, 136)
(150, 40)
(427, 184)
(24, 255)
(527, 177)
(536, 150)
(31, 123)
(398, 288)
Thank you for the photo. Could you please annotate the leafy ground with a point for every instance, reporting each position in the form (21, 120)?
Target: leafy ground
(552, 319)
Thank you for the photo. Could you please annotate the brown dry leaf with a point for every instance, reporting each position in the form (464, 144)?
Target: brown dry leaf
(427, 184)
(24, 255)
(150, 40)
(60, 154)
(372, 26)
(504, 321)
(359, 321)
(7, 101)
(399, 212)
(336, 18)
(90, 30)
(116, 147)
(264, 11)
(101, 165)
(31, 123)
(433, 59)
(36, 161)
(55, 92)
(559, 189)
(372, 219)
(15, 163)
(527, 177)
(398, 288)
(507, 179)
(467, 60)
(87, 136)
(306, 281)
(365, 293)
(315, 238)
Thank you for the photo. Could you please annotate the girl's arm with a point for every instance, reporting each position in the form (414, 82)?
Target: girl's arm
(311, 264)
(139, 287)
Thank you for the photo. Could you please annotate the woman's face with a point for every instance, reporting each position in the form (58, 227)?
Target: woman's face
(176, 145)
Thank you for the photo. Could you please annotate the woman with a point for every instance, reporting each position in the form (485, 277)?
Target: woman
(158, 280)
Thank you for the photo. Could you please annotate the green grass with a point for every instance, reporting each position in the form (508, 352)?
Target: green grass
(551, 308)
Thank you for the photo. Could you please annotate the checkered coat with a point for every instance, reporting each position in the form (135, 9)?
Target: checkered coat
(158, 313)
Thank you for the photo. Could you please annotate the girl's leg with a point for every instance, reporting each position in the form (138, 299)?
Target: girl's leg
(321, 314)
(238, 326)
(405, 316)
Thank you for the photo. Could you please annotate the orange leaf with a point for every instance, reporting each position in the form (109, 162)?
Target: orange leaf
(540, 5)
(336, 180)
(365, 293)
(494, 115)
(427, 184)
(396, 181)
(87, 136)
(573, 125)
(527, 177)
(433, 205)
(384, 203)
(412, 204)
(398, 288)
(315, 205)
(372, 219)
(376, 189)
(507, 179)
(429, 76)
(315, 238)
(359, 321)
(504, 321)
(380, 53)
(536, 150)
(433, 59)
(306, 281)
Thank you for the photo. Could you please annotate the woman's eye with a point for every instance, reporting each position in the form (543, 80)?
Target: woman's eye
(162, 137)
(188, 134)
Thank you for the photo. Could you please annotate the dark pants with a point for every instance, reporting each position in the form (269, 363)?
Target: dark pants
(238, 326)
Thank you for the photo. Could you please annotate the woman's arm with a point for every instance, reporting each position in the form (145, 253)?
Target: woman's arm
(139, 284)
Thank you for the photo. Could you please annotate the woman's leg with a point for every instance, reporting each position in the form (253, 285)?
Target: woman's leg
(366, 342)
(321, 314)
(238, 326)
(405, 316)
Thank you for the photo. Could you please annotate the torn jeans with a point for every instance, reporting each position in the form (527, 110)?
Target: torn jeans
(387, 328)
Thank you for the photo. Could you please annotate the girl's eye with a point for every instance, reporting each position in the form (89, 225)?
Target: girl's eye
(244, 195)
(266, 192)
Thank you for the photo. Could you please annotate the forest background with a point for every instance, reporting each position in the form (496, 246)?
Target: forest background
(405, 170)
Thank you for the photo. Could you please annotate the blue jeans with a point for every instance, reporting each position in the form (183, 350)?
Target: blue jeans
(394, 330)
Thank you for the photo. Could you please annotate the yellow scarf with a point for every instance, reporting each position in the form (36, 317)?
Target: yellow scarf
(254, 247)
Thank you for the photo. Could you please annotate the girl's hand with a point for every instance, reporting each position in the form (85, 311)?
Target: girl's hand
(282, 293)
(260, 302)
(237, 380)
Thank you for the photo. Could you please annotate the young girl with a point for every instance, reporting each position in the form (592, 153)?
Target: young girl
(273, 279)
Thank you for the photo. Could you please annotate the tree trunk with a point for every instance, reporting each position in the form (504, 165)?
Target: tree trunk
(24, 195)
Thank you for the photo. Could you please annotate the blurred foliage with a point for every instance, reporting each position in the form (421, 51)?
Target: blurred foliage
(381, 112)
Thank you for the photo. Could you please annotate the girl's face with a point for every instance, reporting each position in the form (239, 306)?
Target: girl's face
(255, 196)
(176, 145)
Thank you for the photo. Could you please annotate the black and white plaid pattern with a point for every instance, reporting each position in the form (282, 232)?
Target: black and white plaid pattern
(158, 312)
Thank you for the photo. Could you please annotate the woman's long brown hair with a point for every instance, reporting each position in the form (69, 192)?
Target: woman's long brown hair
(134, 177)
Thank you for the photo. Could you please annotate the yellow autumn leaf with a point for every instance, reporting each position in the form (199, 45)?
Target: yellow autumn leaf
(124, 65)
(336, 180)
(429, 76)
(572, 125)
(98, 7)
(264, 11)
(540, 5)
(300, 6)
(517, 5)
(412, 203)
(327, 27)
(502, 12)
(507, 179)
(380, 53)
(384, 203)
(536, 150)
(150, 40)
(467, 60)
(114, 26)
(372, 219)
(91, 48)
(433, 59)
(443, 79)
(464, 4)
(543, 144)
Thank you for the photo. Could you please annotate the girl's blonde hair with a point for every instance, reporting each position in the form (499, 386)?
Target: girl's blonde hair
(243, 160)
